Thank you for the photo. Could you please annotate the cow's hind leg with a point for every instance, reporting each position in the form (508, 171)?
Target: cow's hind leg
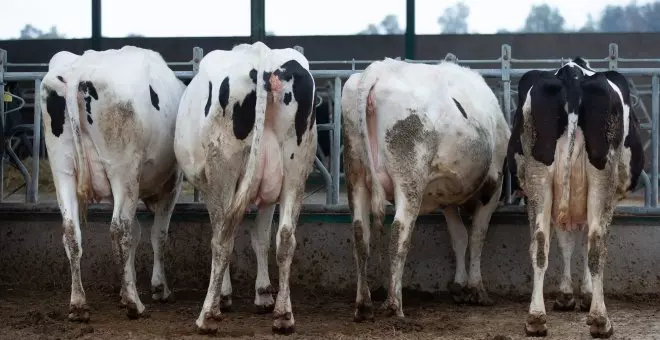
(361, 249)
(601, 204)
(260, 237)
(539, 209)
(71, 238)
(296, 170)
(162, 206)
(490, 194)
(125, 233)
(586, 288)
(222, 175)
(565, 300)
(459, 243)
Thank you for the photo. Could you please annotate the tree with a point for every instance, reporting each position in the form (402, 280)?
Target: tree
(389, 25)
(454, 19)
(544, 19)
(31, 32)
(631, 18)
(590, 25)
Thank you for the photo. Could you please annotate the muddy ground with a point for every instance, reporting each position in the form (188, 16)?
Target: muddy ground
(43, 315)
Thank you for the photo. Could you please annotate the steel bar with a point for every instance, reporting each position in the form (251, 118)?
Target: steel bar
(655, 111)
(335, 141)
(33, 188)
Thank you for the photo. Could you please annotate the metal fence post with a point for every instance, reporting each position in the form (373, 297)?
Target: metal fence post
(614, 56)
(506, 102)
(336, 141)
(33, 188)
(3, 69)
(198, 54)
(655, 112)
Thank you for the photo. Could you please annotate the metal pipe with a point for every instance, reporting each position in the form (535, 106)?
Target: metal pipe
(33, 188)
(646, 181)
(410, 30)
(96, 25)
(506, 101)
(655, 112)
(326, 176)
(3, 69)
(336, 141)
(198, 54)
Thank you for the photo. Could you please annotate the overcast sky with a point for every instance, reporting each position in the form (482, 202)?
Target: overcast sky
(283, 17)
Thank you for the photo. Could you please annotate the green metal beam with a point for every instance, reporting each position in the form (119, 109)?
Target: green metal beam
(257, 20)
(96, 24)
(410, 29)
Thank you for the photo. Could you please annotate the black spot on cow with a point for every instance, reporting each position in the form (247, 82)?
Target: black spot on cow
(488, 189)
(549, 119)
(88, 88)
(253, 76)
(243, 115)
(89, 91)
(207, 107)
(287, 98)
(291, 156)
(224, 94)
(460, 107)
(61, 79)
(601, 119)
(303, 92)
(55, 105)
(154, 98)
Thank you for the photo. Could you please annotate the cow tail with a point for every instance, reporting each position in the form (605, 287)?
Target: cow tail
(566, 192)
(83, 177)
(243, 194)
(366, 83)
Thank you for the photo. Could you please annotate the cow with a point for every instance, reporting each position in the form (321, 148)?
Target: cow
(246, 134)
(422, 137)
(109, 128)
(576, 151)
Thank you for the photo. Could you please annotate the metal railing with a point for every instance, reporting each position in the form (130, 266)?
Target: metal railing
(501, 69)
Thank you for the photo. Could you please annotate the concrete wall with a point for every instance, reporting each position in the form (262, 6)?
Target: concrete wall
(32, 255)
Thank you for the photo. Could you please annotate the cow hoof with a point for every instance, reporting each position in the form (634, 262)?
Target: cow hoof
(161, 294)
(225, 303)
(600, 327)
(122, 303)
(478, 296)
(284, 323)
(79, 313)
(264, 309)
(133, 313)
(458, 292)
(392, 308)
(564, 302)
(210, 323)
(536, 325)
(585, 302)
(364, 312)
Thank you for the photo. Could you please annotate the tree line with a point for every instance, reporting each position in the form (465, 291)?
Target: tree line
(543, 18)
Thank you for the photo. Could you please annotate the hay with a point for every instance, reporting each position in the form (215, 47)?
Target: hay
(14, 179)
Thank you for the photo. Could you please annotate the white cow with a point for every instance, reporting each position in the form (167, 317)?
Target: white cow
(432, 136)
(109, 127)
(246, 133)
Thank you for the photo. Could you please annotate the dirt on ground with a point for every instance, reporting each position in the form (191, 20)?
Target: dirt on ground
(43, 315)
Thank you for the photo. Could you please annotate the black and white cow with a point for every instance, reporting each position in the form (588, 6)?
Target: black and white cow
(422, 137)
(246, 133)
(109, 128)
(576, 151)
